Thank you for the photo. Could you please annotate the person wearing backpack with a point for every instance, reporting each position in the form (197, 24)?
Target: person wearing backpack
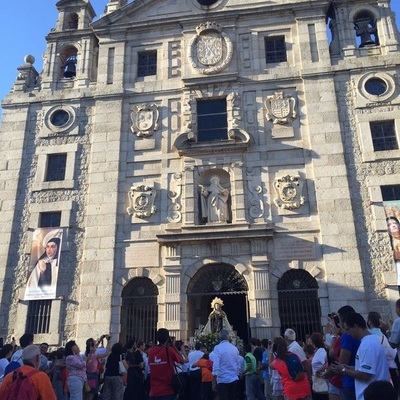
(294, 379)
(27, 382)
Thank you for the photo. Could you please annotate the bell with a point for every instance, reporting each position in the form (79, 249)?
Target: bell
(70, 67)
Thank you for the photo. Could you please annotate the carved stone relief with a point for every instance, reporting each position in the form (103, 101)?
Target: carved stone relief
(141, 200)
(210, 51)
(144, 119)
(288, 189)
(256, 199)
(174, 194)
(280, 108)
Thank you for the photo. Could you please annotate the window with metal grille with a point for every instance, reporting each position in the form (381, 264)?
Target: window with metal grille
(212, 121)
(383, 135)
(275, 49)
(390, 192)
(139, 312)
(298, 302)
(50, 219)
(147, 63)
(56, 164)
(38, 318)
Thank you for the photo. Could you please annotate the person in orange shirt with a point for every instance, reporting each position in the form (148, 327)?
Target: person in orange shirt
(205, 365)
(39, 379)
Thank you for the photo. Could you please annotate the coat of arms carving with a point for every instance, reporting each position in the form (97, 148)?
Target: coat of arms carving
(288, 189)
(141, 199)
(280, 108)
(210, 50)
(144, 119)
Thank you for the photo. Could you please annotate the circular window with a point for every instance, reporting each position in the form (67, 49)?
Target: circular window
(59, 118)
(376, 86)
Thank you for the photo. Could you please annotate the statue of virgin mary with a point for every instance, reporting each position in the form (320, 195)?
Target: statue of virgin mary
(217, 319)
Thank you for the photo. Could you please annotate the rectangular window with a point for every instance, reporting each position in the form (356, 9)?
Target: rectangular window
(56, 164)
(275, 49)
(38, 317)
(50, 219)
(383, 135)
(147, 63)
(212, 121)
(390, 192)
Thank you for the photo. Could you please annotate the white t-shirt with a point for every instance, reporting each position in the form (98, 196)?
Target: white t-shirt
(370, 358)
(319, 359)
(17, 356)
(295, 348)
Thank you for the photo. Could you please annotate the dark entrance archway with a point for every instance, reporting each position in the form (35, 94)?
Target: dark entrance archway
(224, 281)
(298, 301)
(139, 311)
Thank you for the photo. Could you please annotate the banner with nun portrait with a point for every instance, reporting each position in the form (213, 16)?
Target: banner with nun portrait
(44, 264)
(392, 211)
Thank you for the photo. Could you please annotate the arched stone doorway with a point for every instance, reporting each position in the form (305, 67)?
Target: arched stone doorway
(224, 281)
(299, 306)
(139, 311)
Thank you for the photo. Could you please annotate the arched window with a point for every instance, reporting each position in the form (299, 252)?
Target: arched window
(71, 22)
(139, 312)
(298, 302)
(69, 61)
(365, 27)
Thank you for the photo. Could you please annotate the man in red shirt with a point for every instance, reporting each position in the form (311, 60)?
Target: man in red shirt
(161, 362)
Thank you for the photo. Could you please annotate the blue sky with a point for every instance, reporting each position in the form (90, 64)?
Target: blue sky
(23, 28)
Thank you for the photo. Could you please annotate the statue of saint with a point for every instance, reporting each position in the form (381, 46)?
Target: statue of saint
(214, 201)
(217, 320)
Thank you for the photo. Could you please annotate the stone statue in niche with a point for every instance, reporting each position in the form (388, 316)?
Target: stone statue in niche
(288, 189)
(144, 119)
(214, 201)
(281, 108)
(141, 200)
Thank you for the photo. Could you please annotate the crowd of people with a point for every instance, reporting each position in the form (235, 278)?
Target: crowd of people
(353, 359)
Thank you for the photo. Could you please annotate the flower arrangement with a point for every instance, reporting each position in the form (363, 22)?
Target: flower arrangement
(208, 340)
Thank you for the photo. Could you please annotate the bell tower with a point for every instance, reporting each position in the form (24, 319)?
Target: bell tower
(71, 55)
(362, 27)
(114, 5)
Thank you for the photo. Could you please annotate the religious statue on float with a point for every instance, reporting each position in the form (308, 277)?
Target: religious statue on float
(217, 320)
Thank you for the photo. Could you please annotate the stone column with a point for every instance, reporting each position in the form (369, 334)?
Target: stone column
(172, 300)
(260, 306)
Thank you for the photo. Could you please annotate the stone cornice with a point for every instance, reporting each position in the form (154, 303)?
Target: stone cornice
(207, 233)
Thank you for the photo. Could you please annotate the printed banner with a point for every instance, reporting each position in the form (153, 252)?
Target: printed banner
(392, 210)
(44, 264)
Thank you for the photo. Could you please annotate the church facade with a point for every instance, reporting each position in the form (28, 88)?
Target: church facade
(171, 152)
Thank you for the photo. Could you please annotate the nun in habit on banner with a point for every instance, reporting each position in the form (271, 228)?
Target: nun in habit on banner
(392, 211)
(44, 264)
